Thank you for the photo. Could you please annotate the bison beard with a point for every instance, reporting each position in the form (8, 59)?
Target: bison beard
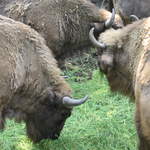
(124, 57)
(31, 86)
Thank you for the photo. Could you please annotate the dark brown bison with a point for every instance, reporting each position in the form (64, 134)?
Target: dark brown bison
(64, 24)
(31, 87)
(124, 57)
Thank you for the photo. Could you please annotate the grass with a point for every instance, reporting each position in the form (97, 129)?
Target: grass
(105, 122)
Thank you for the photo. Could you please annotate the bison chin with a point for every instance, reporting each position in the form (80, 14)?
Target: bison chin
(47, 121)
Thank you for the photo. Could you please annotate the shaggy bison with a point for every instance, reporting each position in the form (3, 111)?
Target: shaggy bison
(64, 24)
(31, 87)
(124, 56)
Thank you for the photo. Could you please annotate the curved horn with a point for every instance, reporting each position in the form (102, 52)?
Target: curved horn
(111, 20)
(94, 41)
(67, 101)
(134, 17)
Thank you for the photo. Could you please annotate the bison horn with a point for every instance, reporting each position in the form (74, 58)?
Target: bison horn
(70, 102)
(110, 21)
(94, 41)
(134, 17)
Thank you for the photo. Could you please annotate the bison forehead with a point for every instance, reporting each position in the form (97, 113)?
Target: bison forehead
(111, 37)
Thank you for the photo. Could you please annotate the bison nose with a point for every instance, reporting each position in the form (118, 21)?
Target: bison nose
(106, 63)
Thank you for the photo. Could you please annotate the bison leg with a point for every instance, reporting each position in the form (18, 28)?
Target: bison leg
(143, 143)
(143, 118)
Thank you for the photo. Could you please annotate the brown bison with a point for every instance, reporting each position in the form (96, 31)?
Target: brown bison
(31, 87)
(124, 56)
(64, 24)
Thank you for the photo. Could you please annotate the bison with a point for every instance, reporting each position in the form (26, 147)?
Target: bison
(64, 24)
(124, 57)
(31, 86)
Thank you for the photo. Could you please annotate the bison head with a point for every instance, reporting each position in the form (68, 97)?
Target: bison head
(113, 61)
(108, 20)
(49, 117)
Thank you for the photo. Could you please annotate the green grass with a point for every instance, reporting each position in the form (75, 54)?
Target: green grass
(104, 122)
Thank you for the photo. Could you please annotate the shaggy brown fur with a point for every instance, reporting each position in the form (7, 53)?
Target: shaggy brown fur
(126, 63)
(63, 23)
(30, 83)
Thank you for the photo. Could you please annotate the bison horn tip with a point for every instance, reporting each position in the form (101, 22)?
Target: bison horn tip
(70, 102)
(110, 21)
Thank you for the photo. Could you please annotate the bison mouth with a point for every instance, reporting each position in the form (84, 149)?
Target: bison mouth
(52, 136)
(37, 132)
